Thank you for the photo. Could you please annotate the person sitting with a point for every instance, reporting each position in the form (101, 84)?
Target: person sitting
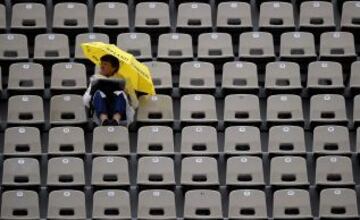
(111, 109)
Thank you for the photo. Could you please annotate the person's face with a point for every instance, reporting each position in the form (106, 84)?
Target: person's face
(106, 69)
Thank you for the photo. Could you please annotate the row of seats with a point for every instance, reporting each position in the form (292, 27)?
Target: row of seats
(256, 47)
(201, 171)
(191, 17)
(194, 77)
(337, 203)
(195, 140)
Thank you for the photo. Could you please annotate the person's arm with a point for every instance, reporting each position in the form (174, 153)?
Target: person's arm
(87, 95)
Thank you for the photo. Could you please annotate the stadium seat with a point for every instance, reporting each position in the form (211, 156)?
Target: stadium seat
(199, 171)
(138, 44)
(215, 47)
(199, 140)
(155, 110)
(155, 172)
(66, 204)
(29, 18)
(22, 141)
(152, 17)
(26, 110)
(21, 172)
(2, 18)
(161, 73)
(286, 140)
(86, 38)
(156, 204)
(356, 115)
(13, 48)
(111, 141)
(245, 204)
(354, 81)
(109, 204)
(65, 172)
(350, 17)
(66, 141)
(175, 47)
(331, 140)
(203, 204)
(20, 204)
(292, 204)
(242, 140)
(155, 140)
(334, 171)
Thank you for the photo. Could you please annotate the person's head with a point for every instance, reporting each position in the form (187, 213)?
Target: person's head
(109, 65)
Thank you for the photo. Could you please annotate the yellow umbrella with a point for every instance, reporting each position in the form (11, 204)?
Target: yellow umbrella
(136, 74)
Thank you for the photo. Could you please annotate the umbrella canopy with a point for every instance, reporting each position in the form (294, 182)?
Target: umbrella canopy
(131, 70)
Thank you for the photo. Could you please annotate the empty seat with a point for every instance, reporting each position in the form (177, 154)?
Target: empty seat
(256, 47)
(283, 77)
(26, 78)
(242, 109)
(245, 204)
(357, 140)
(194, 17)
(152, 16)
(161, 74)
(331, 140)
(215, 47)
(298, 47)
(108, 204)
(288, 171)
(156, 172)
(66, 204)
(68, 78)
(29, 18)
(13, 48)
(286, 140)
(199, 140)
(86, 38)
(110, 171)
(203, 204)
(51, 47)
(66, 110)
(354, 82)
(20, 141)
(239, 77)
(65, 171)
(233, 17)
(334, 171)
(350, 19)
(25, 110)
(325, 77)
(292, 204)
(155, 140)
(198, 109)
(20, 204)
(316, 17)
(328, 108)
(242, 140)
(21, 172)
(156, 204)
(199, 171)
(155, 109)
(2, 18)
(66, 141)
(197, 77)
(111, 141)
(244, 171)
(175, 47)
(284, 109)
(338, 203)
(337, 46)
(356, 109)
(138, 44)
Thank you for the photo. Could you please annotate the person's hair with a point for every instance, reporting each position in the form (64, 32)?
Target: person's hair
(112, 60)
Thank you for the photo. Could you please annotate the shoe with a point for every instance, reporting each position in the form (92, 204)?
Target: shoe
(106, 122)
(114, 123)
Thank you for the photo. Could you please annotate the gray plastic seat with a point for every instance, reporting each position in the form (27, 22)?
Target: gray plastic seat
(67, 110)
(155, 110)
(109, 204)
(155, 171)
(21, 172)
(356, 108)
(331, 140)
(198, 109)
(242, 109)
(20, 204)
(25, 110)
(65, 171)
(22, 141)
(175, 47)
(138, 44)
(256, 47)
(350, 17)
(51, 47)
(194, 17)
(28, 18)
(109, 140)
(357, 140)
(286, 140)
(156, 204)
(152, 16)
(86, 38)
(325, 77)
(298, 47)
(244, 171)
(66, 141)
(239, 77)
(242, 140)
(161, 73)
(247, 204)
(13, 48)
(215, 47)
(110, 172)
(197, 77)
(203, 204)
(68, 78)
(155, 140)
(233, 17)
(288, 171)
(338, 203)
(283, 77)
(199, 140)
(26, 78)
(327, 109)
(292, 204)
(284, 109)
(2, 18)
(199, 171)
(66, 204)
(354, 81)
(334, 171)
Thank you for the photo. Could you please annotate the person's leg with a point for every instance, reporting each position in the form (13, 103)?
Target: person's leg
(100, 106)
(119, 107)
